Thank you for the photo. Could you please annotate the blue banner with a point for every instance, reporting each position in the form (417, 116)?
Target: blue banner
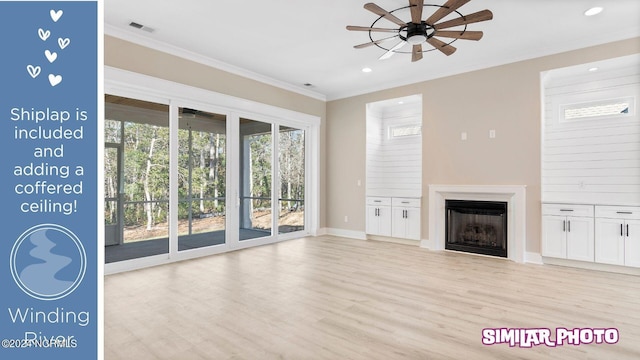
(49, 166)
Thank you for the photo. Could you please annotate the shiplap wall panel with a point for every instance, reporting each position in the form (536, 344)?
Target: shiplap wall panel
(394, 165)
(591, 161)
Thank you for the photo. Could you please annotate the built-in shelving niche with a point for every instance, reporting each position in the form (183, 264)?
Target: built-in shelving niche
(394, 147)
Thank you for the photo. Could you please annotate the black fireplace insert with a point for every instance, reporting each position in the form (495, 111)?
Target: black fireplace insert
(478, 227)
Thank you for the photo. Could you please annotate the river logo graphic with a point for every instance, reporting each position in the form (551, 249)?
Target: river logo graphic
(48, 262)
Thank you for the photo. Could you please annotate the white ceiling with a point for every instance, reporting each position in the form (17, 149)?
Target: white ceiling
(293, 42)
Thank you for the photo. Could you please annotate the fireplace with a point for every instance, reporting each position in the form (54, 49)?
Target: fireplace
(476, 226)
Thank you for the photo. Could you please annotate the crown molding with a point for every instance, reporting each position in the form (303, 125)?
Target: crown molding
(141, 40)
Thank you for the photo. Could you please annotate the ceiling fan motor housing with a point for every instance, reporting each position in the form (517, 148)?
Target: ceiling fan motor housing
(417, 33)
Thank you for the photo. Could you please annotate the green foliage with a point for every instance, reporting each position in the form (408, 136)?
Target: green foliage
(201, 171)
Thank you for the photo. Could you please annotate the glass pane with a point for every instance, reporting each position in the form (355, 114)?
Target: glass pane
(613, 108)
(292, 180)
(140, 130)
(112, 131)
(201, 179)
(111, 169)
(255, 179)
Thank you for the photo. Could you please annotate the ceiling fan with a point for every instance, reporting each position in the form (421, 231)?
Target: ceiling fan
(417, 31)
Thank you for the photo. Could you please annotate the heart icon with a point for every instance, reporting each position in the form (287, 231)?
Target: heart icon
(55, 79)
(44, 34)
(34, 71)
(63, 43)
(55, 15)
(51, 56)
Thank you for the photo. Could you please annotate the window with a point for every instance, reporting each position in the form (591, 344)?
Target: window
(405, 130)
(613, 108)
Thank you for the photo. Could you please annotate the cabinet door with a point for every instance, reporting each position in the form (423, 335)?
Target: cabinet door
(580, 239)
(378, 220)
(406, 223)
(609, 241)
(398, 223)
(554, 241)
(632, 243)
(373, 225)
(384, 216)
(413, 223)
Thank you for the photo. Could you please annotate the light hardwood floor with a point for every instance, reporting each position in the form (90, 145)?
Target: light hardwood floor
(335, 298)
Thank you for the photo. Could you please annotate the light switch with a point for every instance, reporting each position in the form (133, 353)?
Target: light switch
(492, 134)
(463, 136)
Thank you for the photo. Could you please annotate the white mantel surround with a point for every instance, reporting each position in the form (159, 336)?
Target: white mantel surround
(514, 195)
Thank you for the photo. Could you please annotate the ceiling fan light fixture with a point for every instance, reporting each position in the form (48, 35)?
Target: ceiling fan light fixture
(593, 11)
(417, 39)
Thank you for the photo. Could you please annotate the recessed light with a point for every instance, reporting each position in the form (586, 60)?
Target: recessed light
(400, 102)
(593, 11)
(593, 69)
(366, 70)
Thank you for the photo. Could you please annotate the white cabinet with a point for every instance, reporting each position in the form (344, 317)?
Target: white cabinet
(396, 217)
(617, 235)
(568, 231)
(632, 244)
(609, 241)
(378, 216)
(405, 222)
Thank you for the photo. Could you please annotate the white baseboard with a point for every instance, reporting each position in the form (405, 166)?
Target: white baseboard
(533, 258)
(427, 244)
(592, 266)
(358, 235)
(409, 242)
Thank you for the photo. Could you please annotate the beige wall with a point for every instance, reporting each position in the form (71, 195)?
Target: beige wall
(128, 56)
(504, 98)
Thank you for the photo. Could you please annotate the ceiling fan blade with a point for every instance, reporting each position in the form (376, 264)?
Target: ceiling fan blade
(416, 10)
(392, 51)
(384, 13)
(466, 35)
(416, 54)
(446, 9)
(364, 28)
(371, 43)
(479, 16)
(442, 46)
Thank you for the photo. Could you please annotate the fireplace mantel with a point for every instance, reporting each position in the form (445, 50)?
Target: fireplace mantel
(514, 195)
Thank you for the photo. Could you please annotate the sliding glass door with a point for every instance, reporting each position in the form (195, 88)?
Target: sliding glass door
(177, 186)
(136, 160)
(291, 165)
(201, 178)
(256, 179)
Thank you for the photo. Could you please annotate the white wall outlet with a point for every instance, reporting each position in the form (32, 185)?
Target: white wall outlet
(492, 134)
(463, 135)
(359, 182)
(346, 218)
